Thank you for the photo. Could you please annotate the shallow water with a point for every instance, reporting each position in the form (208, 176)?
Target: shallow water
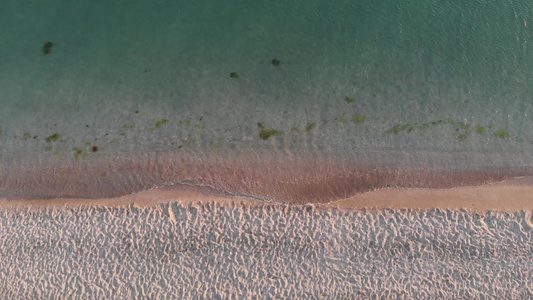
(467, 65)
(397, 84)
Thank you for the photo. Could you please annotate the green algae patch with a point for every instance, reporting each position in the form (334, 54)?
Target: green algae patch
(275, 62)
(310, 126)
(266, 133)
(359, 119)
(53, 138)
(429, 125)
(396, 129)
(199, 126)
(501, 134)
(341, 120)
(234, 75)
(26, 136)
(127, 126)
(349, 100)
(79, 152)
(295, 128)
(47, 48)
(480, 130)
(187, 122)
(160, 123)
(402, 127)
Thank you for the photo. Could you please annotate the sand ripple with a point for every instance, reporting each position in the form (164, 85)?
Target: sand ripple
(216, 250)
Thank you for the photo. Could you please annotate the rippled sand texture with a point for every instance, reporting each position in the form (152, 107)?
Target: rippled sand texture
(215, 250)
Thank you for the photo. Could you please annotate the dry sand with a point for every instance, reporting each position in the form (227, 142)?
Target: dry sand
(269, 251)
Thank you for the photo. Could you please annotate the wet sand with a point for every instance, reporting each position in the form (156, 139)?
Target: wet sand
(505, 196)
(509, 196)
(259, 177)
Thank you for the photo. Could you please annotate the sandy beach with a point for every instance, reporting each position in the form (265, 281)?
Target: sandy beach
(274, 227)
(178, 242)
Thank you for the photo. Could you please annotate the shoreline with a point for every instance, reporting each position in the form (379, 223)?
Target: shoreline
(507, 196)
(273, 177)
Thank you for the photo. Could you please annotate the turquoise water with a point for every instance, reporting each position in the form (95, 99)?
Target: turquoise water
(428, 79)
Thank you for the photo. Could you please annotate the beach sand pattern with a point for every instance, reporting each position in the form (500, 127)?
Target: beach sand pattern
(217, 251)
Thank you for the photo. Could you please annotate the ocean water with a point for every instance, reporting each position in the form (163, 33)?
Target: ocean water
(398, 83)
